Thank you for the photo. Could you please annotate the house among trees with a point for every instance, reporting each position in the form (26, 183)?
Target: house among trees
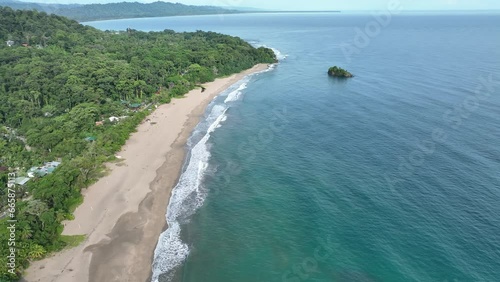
(41, 171)
(9, 43)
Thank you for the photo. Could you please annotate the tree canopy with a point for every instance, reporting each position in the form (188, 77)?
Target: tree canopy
(339, 72)
(91, 12)
(61, 82)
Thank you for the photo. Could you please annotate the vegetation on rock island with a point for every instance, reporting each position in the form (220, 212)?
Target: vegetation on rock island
(339, 72)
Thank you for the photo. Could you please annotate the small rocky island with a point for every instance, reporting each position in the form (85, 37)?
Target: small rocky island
(339, 72)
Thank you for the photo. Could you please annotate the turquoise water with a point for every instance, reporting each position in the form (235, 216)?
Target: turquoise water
(393, 175)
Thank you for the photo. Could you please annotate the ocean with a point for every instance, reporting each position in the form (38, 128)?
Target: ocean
(393, 175)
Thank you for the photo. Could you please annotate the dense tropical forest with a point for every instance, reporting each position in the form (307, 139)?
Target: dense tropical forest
(91, 12)
(71, 95)
(22, 5)
(136, 10)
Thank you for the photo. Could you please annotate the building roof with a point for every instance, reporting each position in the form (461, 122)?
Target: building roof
(90, 138)
(41, 171)
(135, 105)
(33, 169)
(21, 180)
(52, 164)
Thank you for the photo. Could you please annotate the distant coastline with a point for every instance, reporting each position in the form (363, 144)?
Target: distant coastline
(225, 14)
(134, 10)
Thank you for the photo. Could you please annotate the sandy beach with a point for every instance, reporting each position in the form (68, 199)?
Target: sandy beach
(124, 212)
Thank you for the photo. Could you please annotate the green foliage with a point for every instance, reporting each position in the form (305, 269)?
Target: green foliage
(67, 78)
(121, 10)
(73, 241)
(48, 8)
(338, 72)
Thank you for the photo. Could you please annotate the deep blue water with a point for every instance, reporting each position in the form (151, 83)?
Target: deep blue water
(393, 175)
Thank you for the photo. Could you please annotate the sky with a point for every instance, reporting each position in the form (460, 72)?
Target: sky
(319, 5)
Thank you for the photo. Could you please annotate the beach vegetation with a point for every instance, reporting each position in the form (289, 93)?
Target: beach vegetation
(73, 240)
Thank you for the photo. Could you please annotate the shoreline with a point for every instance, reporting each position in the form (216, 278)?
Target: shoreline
(123, 213)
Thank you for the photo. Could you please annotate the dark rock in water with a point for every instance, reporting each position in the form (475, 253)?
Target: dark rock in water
(339, 72)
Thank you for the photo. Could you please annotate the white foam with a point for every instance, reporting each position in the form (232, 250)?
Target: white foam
(224, 118)
(269, 68)
(280, 56)
(235, 95)
(170, 251)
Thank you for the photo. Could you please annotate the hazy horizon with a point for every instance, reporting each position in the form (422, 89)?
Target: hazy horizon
(320, 5)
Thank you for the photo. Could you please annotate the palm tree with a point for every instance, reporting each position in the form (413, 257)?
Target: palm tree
(36, 251)
(26, 233)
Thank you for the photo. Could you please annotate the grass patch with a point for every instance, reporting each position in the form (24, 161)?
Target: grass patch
(73, 241)
(74, 204)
